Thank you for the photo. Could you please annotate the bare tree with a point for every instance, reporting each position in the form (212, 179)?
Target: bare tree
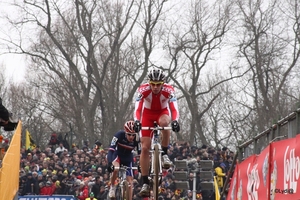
(192, 46)
(87, 60)
(269, 46)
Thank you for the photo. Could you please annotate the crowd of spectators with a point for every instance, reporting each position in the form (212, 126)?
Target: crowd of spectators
(82, 171)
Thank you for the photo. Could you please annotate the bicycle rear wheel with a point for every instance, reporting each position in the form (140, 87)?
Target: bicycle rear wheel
(156, 171)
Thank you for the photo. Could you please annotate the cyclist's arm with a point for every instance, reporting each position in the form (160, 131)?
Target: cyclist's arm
(138, 147)
(174, 107)
(112, 147)
(138, 107)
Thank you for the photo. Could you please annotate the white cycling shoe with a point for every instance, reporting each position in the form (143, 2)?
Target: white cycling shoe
(145, 191)
(166, 162)
(112, 192)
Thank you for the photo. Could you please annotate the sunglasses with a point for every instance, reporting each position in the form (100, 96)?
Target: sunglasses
(130, 134)
(154, 83)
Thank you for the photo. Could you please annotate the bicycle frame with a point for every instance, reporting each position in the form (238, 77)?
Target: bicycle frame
(123, 184)
(156, 154)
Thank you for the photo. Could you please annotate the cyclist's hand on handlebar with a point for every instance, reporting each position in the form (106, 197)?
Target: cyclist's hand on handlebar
(110, 167)
(175, 126)
(137, 126)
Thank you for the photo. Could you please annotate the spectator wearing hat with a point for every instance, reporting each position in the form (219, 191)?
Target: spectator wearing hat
(97, 148)
(35, 175)
(44, 174)
(91, 197)
(224, 149)
(58, 187)
(40, 178)
(220, 175)
(49, 188)
(61, 183)
(29, 157)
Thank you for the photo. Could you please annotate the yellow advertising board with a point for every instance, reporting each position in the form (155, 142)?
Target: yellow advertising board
(9, 171)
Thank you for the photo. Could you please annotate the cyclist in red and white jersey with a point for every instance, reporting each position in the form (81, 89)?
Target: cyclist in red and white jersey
(156, 101)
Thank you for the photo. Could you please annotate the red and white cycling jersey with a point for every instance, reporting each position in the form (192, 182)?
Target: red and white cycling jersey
(149, 102)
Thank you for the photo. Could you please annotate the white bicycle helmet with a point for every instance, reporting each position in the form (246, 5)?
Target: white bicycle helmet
(156, 75)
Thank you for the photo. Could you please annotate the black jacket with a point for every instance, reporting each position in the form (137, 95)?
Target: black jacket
(4, 115)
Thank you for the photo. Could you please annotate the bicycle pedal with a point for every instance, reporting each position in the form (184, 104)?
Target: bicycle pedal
(150, 182)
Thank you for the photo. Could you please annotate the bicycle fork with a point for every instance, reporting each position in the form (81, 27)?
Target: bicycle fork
(153, 160)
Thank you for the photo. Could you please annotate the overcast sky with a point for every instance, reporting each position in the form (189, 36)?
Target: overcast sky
(14, 64)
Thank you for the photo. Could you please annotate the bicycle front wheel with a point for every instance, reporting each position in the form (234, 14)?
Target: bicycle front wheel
(156, 171)
(125, 192)
(118, 193)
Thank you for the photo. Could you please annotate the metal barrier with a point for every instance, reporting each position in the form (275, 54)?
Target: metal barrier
(288, 127)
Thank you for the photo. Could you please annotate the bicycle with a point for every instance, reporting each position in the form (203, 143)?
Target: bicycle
(156, 154)
(122, 187)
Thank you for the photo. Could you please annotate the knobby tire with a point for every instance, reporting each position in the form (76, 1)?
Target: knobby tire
(156, 172)
(118, 193)
(125, 192)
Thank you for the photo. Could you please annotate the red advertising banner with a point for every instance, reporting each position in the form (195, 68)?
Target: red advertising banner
(261, 176)
(251, 180)
(245, 180)
(272, 175)
(285, 170)
(232, 193)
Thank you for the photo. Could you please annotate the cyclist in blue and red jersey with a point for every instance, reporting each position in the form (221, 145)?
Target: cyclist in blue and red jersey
(156, 101)
(120, 153)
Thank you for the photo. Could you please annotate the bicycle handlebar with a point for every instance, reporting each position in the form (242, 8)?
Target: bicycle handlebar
(156, 128)
(125, 167)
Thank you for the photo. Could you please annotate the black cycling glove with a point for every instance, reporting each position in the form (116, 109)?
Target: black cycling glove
(175, 126)
(137, 126)
(110, 167)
